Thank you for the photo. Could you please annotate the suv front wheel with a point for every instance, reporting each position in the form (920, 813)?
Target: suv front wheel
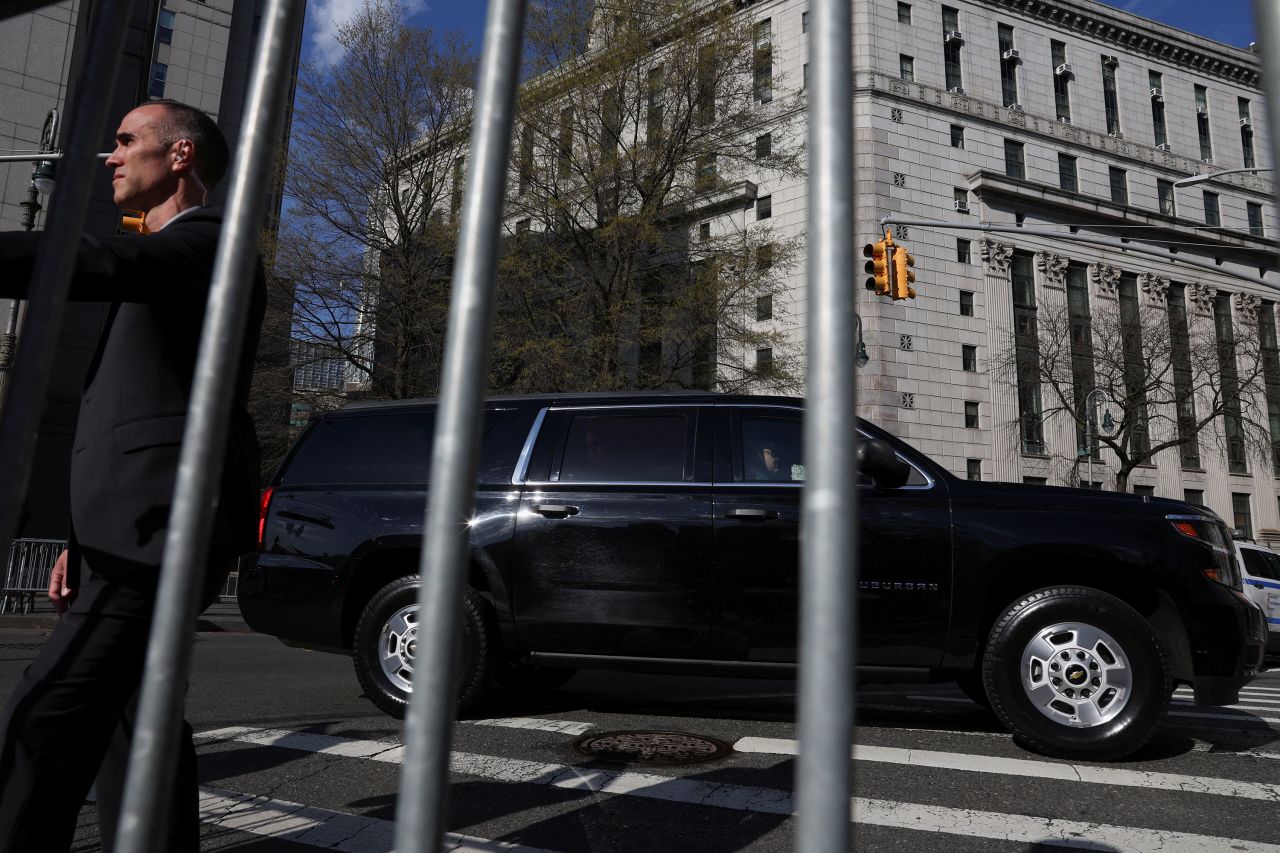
(1077, 673)
(386, 641)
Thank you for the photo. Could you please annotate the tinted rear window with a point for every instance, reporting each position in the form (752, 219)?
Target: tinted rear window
(626, 448)
(395, 447)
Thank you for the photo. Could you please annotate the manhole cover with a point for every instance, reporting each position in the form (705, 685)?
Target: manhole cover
(650, 747)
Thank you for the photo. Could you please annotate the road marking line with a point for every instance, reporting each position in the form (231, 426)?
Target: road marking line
(325, 828)
(1183, 703)
(541, 724)
(941, 819)
(1035, 830)
(1239, 718)
(1036, 769)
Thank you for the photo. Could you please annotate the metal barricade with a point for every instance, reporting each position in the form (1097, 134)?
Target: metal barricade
(26, 576)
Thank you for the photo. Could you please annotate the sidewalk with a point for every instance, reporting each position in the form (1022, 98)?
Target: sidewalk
(222, 616)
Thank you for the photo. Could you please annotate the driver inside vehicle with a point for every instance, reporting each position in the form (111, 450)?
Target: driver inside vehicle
(764, 463)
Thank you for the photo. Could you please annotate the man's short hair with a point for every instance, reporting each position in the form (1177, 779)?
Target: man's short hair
(183, 121)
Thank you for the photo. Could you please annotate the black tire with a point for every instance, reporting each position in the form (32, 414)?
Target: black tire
(384, 640)
(1075, 672)
(526, 677)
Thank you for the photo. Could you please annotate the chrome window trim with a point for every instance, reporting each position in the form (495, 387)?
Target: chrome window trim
(522, 464)
(570, 485)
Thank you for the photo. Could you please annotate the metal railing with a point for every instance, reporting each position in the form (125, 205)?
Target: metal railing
(26, 576)
(829, 544)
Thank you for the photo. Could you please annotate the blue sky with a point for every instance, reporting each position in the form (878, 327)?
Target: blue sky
(1228, 21)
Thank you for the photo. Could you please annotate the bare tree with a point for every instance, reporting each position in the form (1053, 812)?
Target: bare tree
(371, 215)
(635, 258)
(1180, 377)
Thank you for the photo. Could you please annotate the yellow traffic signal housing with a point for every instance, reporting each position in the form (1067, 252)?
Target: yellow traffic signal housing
(902, 274)
(880, 267)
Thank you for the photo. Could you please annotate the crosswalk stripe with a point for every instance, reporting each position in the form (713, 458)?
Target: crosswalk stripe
(1027, 829)
(317, 827)
(893, 814)
(1239, 718)
(541, 724)
(1086, 773)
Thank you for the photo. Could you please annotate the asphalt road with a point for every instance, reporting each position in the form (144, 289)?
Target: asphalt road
(293, 758)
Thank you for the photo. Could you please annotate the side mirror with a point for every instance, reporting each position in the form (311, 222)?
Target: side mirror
(877, 460)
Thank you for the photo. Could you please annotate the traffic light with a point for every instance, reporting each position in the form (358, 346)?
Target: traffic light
(902, 274)
(880, 267)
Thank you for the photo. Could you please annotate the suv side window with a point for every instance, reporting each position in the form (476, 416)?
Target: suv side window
(772, 449)
(635, 446)
(372, 448)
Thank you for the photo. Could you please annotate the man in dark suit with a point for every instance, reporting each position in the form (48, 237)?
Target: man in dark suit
(81, 690)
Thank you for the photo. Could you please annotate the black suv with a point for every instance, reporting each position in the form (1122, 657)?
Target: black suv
(660, 532)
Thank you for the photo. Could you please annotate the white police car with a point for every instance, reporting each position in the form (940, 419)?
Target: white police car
(1260, 572)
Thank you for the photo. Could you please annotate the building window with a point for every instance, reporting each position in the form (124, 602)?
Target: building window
(164, 26)
(1246, 133)
(966, 303)
(1036, 481)
(970, 414)
(764, 257)
(1134, 362)
(961, 198)
(1255, 219)
(705, 172)
(159, 73)
(904, 13)
(969, 358)
(1195, 497)
(1229, 381)
(764, 207)
(1014, 166)
(1183, 387)
(804, 22)
(1080, 322)
(1211, 215)
(706, 84)
(906, 68)
(1154, 80)
(1271, 376)
(456, 184)
(1026, 353)
(1061, 80)
(1109, 99)
(973, 469)
(1241, 517)
(1149, 491)
(764, 146)
(804, 76)
(1008, 65)
(962, 255)
(951, 44)
(1202, 124)
(764, 361)
(525, 169)
(764, 307)
(704, 231)
(957, 136)
(1095, 485)
(564, 146)
(653, 119)
(1119, 185)
(763, 61)
(1067, 173)
(1164, 192)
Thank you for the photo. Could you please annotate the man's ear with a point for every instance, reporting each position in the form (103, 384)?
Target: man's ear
(185, 154)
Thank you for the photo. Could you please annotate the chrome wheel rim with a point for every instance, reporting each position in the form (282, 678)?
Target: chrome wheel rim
(397, 645)
(1076, 674)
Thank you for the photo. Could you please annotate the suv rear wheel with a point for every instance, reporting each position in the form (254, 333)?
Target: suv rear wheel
(386, 642)
(1075, 672)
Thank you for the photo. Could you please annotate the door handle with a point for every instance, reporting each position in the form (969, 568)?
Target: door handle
(752, 514)
(555, 510)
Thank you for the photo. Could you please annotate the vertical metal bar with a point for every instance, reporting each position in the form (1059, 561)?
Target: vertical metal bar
(830, 520)
(28, 385)
(423, 788)
(152, 762)
(1266, 15)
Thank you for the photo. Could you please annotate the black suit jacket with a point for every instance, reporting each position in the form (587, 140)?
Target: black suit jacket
(134, 407)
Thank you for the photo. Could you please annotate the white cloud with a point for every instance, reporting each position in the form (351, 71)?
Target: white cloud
(325, 17)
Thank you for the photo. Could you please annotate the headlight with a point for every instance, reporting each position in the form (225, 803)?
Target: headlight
(1221, 565)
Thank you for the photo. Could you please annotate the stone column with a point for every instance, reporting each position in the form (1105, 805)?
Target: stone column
(1006, 452)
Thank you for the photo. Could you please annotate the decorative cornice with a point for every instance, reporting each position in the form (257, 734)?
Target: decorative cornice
(1053, 268)
(996, 256)
(1139, 36)
(1202, 296)
(978, 109)
(1156, 287)
(1105, 279)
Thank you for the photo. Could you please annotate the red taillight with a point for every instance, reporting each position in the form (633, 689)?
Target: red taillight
(263, 503)
(1186, 528)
